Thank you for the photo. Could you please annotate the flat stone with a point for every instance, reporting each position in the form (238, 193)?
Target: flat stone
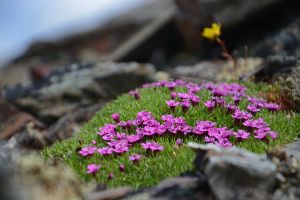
(111, 194)
(69, 88)
(218, 70)
(293, 149)
(14, 121)
(232, 169)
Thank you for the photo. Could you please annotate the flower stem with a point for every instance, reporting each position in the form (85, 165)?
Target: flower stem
(227, 55)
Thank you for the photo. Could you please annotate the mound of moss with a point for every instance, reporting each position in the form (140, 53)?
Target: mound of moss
(170, 157)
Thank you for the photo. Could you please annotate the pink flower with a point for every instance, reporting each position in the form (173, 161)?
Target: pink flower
(110, 176)
(121, 146)
(105, 151)
(219, 101)
(116, 117)
(231, 108)
(260, 103)
(92, 168)
(172, 104)
(224, 142)
(107, 129)
(260, 134)
(173, 95)
(170, 85)
(210, 104)
(179, 142)
(203, 127)
(272, 106)
(208, 139)
(125, 125)
(195, 100)
(193, 88)
(86, 151)
(153, 146)
(241, 135)
(236, 99)
(183, 96)
(259, 124)
(252, 108)
(135, 94)
(273, 134)
(121, 168)
(135, 158)
(241, 115)
(218, 92)
(185, 105)
(133, 138)
(109, 137)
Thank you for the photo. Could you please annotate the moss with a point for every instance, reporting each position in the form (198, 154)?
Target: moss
(172, 161)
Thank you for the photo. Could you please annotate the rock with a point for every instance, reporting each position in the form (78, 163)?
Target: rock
(217, 71)
(288, 166)
(194, 15)
(276, 66)
(203, 11)
(7, 186)
(293, 149)
(33, 137)
(290, 85)
(13, 121)
(181, 188)
(29, 177)
(177, 188)
(70, 124)
(45, 180)
(234, 173)
(280, 46)
(111, 194)
(79, 85)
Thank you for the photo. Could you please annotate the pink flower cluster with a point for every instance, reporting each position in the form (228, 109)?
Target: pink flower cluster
(185, 100)
(145, 126)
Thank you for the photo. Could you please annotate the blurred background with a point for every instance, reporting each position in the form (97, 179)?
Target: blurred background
(39, 36)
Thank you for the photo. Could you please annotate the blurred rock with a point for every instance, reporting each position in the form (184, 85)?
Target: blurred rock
(43, 180)
(203, 11)
(70, 124)
(217, 71)
(177, 188)
(290, 84)
(24, 175)
(234, 173)
(275, 67)
(195, 14)
(111, 194)
(281, 45)
(293, 149)
(68, 89)
(13, 121)
(28, 135)
(288, 167)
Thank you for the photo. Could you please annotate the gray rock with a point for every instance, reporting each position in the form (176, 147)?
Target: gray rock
(293, 149)
(177, 188)
(217, 71)
(291, 87)
(231, 171)
(236, 16)
(67, 89)
(111, 194)
(24, 175)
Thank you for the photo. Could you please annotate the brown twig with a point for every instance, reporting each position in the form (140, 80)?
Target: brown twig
(228, 56)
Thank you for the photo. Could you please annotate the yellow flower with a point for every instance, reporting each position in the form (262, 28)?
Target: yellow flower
(213, 32)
